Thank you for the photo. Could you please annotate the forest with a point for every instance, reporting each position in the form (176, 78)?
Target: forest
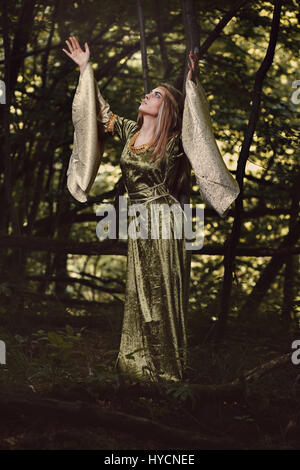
(62, 289)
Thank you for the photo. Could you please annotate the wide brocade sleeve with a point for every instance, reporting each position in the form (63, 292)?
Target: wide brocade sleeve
(87, 147)
(218, 187)
(92, 118)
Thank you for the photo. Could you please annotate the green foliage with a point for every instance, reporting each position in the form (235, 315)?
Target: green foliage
(42, 132)
(184, 393)
(40, 145)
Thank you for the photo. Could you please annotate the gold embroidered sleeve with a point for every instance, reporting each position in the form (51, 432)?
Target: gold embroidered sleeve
(110, 123)
(113, 123)
(124, 128)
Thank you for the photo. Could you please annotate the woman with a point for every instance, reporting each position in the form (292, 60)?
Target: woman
(156, 170)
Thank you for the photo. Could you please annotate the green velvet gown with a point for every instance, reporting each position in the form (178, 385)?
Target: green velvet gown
(154, 339)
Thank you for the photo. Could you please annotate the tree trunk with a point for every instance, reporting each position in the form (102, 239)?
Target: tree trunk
(268, 275)
(191, 31)
(159, 15)
(232, 242)
(291, 265)
(143, 47)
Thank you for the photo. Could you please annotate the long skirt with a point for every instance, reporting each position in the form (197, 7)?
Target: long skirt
(153, 343)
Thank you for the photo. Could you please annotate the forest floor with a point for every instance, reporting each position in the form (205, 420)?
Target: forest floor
(73, 363)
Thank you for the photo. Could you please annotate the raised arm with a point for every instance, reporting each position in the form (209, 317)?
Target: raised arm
(218, 188)
(112, 123)
(87, 147)
(88, 108)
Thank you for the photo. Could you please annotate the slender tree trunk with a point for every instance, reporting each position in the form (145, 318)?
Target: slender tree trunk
(192, 40)
(60, 260)
(49, 41)
(143, 47)
(191, 31)
(159, 15)
(21, 38)
(269, 274)
(290, 275)
(179, 83)
(18, 257)
(232, 242)
(291, 265)
(271, 270)
(13, 216)
(220, 26)
(190, 23)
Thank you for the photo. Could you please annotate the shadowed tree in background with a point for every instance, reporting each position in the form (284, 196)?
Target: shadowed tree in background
(37, 138)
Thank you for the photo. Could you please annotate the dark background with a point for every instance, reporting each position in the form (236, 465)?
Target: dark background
(62, 290)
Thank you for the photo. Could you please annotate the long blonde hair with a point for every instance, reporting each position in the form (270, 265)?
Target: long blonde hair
(168, 124)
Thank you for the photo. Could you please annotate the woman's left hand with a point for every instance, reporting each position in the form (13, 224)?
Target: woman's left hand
(193, 66)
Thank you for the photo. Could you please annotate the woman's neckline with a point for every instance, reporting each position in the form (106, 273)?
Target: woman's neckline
(143, 147)
(138, 148)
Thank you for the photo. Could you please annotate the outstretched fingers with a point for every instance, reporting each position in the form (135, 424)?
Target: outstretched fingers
(73, 44)
(70, 48)
(76, 42)
(68, 53)
(75, 52)
(69, 45)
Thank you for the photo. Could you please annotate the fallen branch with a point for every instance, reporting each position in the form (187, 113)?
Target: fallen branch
(230, 391)
(114, 247)
(18, 404)
(82, 413)
(256, 373)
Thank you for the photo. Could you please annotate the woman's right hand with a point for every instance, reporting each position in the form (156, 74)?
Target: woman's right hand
(193, 66)
(79, 56)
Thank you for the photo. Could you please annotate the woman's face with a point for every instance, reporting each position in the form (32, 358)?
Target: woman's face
(152, 102)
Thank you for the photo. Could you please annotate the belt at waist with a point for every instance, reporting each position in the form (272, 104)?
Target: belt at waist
(147, 199)
(132, 194)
